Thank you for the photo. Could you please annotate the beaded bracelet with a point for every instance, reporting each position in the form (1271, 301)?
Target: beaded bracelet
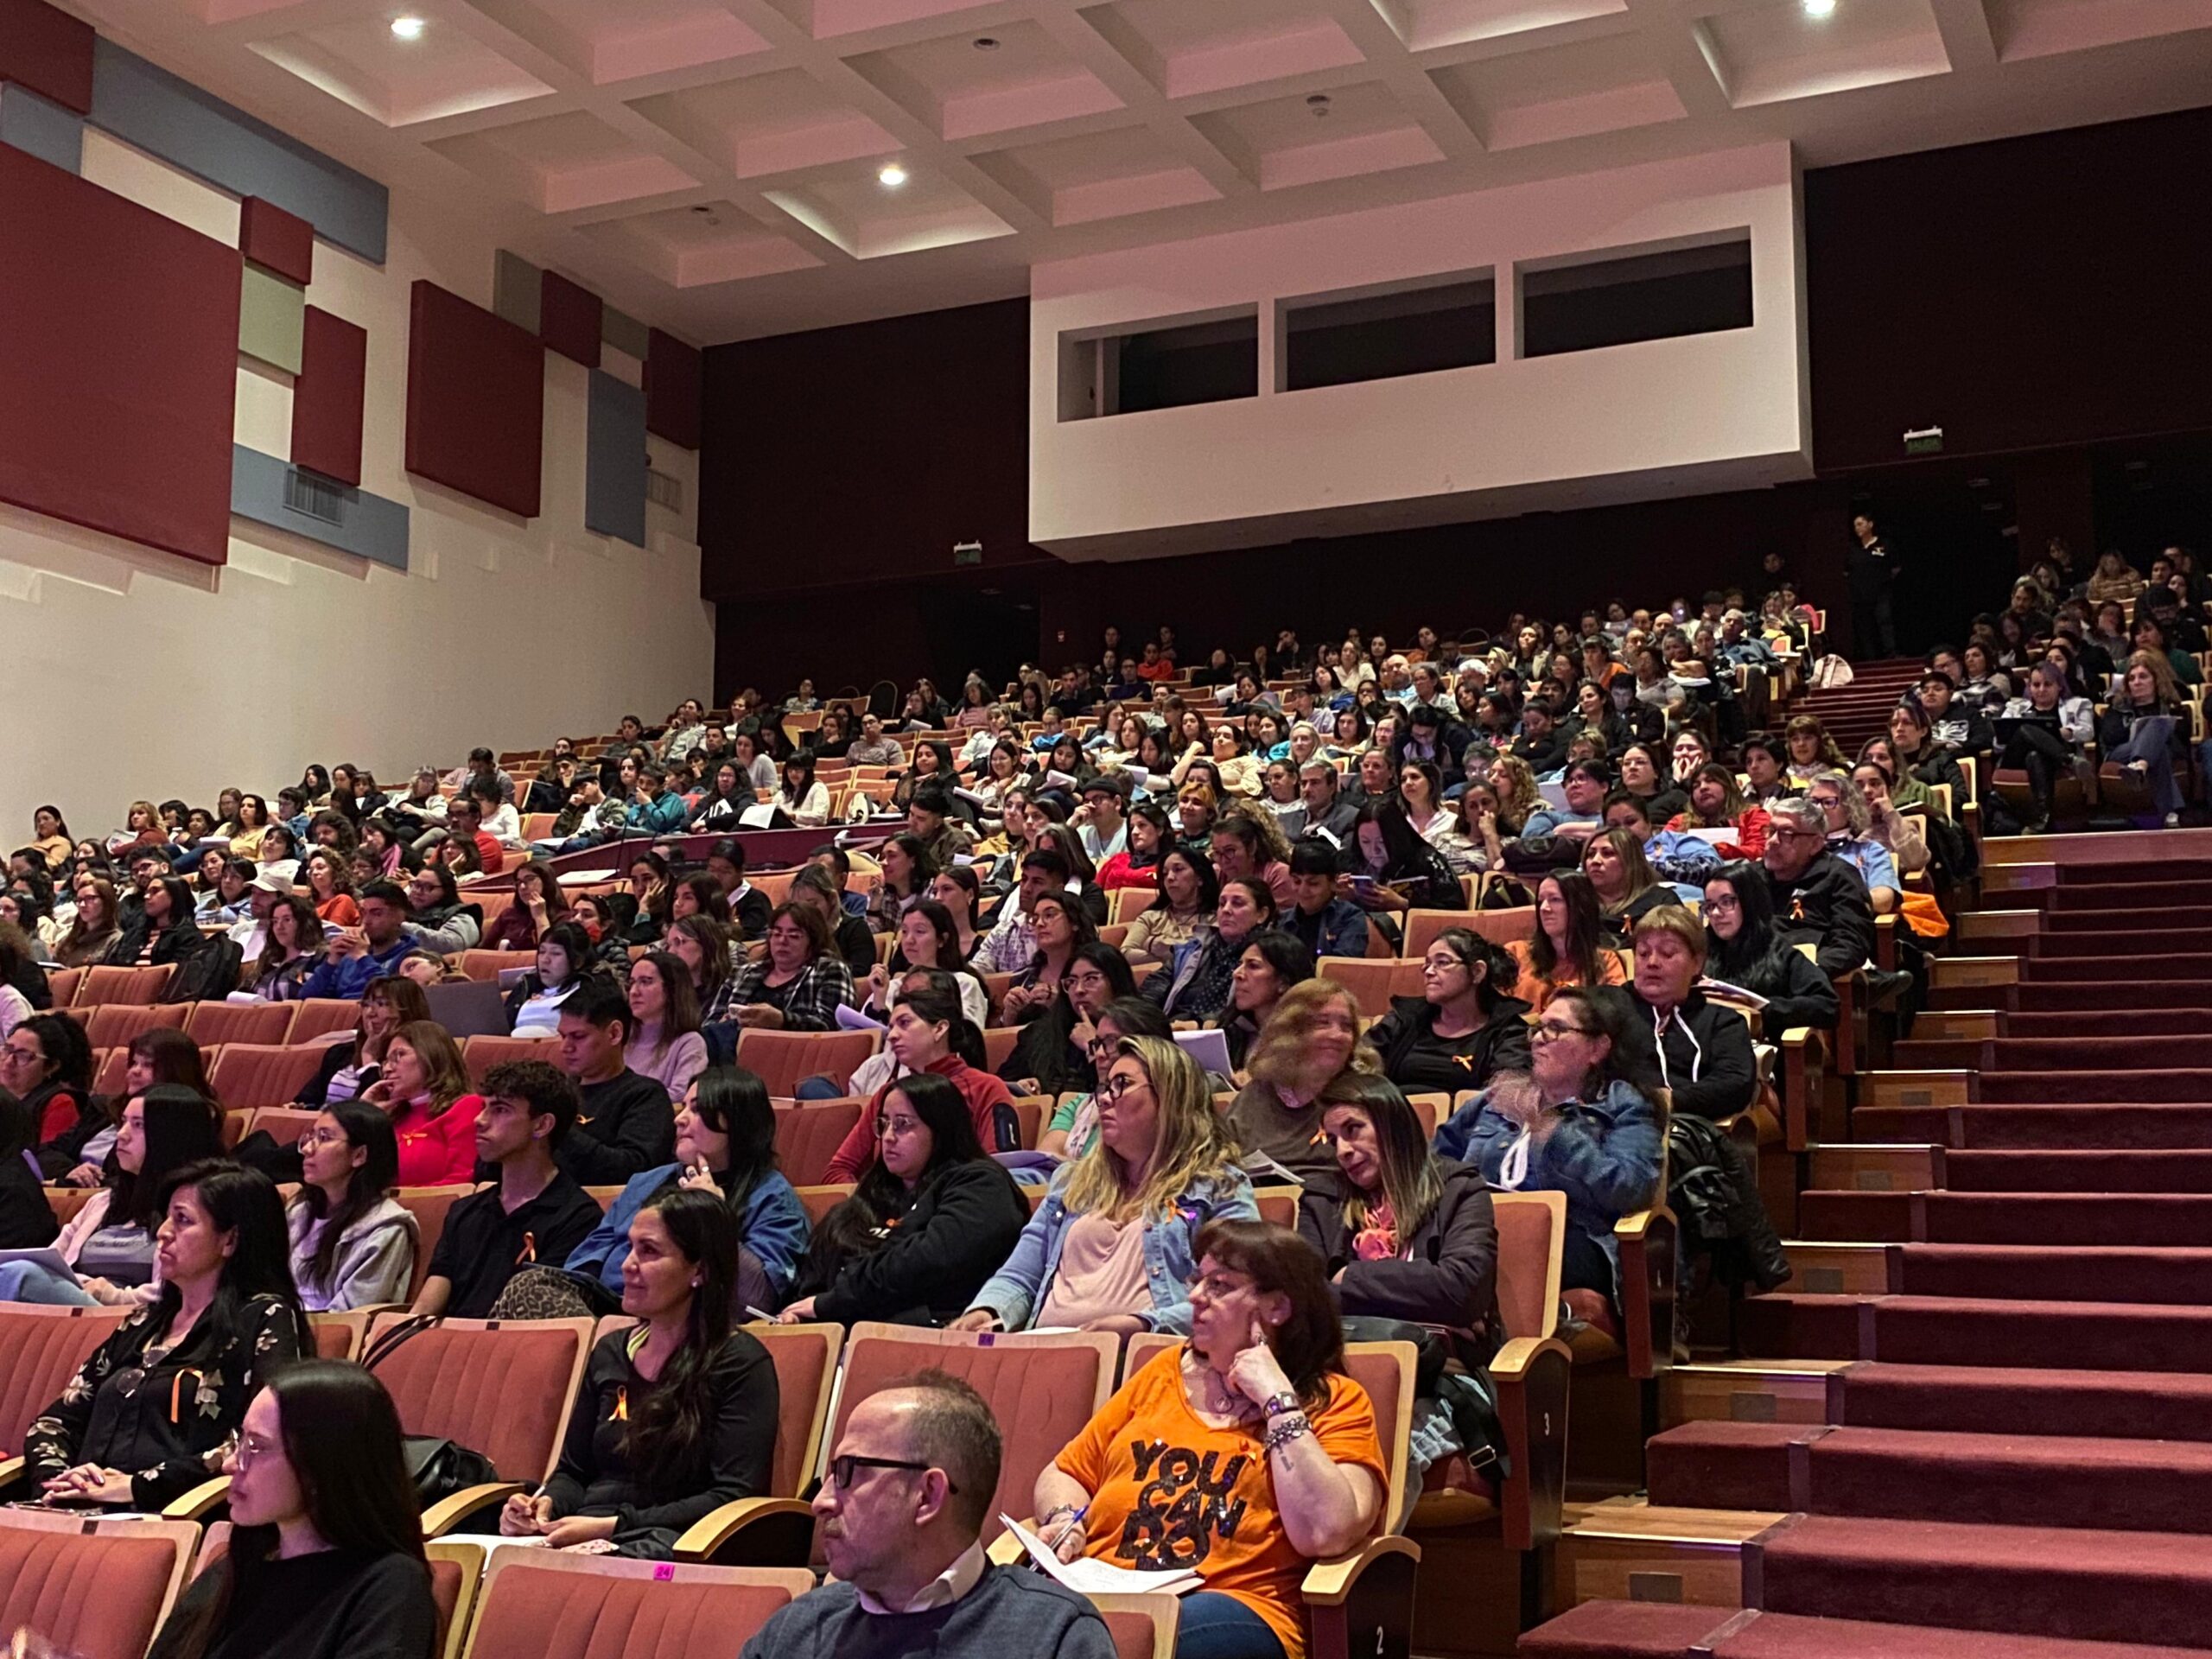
(1285, 1429)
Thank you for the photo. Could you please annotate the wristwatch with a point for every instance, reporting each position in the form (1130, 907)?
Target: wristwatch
(1275, 1404)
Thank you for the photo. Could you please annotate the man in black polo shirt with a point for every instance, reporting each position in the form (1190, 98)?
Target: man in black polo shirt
(535, 1214)
(625, 1125)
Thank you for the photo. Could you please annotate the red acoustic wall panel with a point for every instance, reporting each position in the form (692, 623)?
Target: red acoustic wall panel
(277, 240)
(672, 385)
(568, 319)
(475, 401)
(48, 51)
(118, 363)
(328, 397)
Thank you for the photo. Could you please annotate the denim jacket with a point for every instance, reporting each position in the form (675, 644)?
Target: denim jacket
(774, 1230)
(1018, 1289)
(1603, 1155)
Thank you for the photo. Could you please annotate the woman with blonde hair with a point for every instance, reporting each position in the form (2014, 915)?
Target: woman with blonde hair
(1311, 1039)
(2138, 729)
(1516, 791)
(1110, 1248)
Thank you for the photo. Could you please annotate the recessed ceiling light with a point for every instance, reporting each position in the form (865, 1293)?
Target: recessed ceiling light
(891, 176)
(407, 28)
(1819, 8)
(987, 43)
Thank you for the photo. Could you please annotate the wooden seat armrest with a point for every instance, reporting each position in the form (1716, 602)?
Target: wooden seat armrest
(1803, 1079)
(1331, 1582)
(1646, 1243)
(1531, 1377)
(200, 1502)
(752, 1532)
(1006, 1549)
(1885, 943)
(448, 1514)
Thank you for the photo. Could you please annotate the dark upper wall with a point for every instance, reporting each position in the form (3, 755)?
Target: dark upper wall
(2038, 295)
(2029, 294)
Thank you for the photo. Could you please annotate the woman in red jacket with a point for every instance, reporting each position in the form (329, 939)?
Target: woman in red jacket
(928, 1033)
(424, 1088)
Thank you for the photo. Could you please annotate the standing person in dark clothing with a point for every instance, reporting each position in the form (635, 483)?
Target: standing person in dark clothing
(1874, 569)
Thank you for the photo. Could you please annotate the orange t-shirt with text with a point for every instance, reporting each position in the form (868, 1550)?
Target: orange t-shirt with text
(1168, 1490)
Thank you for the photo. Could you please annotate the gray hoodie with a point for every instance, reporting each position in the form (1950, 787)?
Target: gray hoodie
(375, 1261)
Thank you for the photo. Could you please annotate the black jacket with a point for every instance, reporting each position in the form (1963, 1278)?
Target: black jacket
(1828, 907)
(25, 1219)
(626, 1127)
(1449, 1277)
(961, 1226)
(1797, 993)
(1704, 1052)
(179, 943)
(1415, 1058)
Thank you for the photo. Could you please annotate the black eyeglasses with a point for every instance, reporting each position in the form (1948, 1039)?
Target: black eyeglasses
(842, 1467)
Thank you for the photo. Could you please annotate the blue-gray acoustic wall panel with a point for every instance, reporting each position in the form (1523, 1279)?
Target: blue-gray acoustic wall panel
(275, 493)
(42, 128)
(171, 118)
(615, 460)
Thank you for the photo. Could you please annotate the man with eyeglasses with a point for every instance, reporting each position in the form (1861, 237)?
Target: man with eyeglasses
(902, 1512)
(1818, 899)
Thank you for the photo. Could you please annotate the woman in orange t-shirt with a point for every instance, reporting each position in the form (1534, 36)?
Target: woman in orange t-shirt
(1244, 1455)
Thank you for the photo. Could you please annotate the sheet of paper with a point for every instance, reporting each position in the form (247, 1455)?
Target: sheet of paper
(1208, 1048)
(46, 1256)
(1087, 1577)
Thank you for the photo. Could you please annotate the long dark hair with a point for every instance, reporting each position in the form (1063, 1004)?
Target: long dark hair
(1582, 927)
(369, 1127)
(1501, 973)
(1750, 955)
(342, 1440)
(733, 1102)
(183, 1129)
(944, 1112)
(244, 1201)
(935, 1000)
(667, 1441)
(1201, 867)
(1309, 1344)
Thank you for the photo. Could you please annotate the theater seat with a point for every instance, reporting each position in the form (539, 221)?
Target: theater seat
(777, 1529)
(481, 1054)
(808, 1134)
(1372, 981)
(1143, 1627)
(284, 1124)
(428, 1205)
(320, 1016)
(100, 1591)
(502, 1388)
(488, 965)
(784, 1059)
(40, 1348)
(61, 984)
(540, 1604)
(112, 1025)
(249, 1076)
(341, 1336)
(105, 985)
(211, 1024)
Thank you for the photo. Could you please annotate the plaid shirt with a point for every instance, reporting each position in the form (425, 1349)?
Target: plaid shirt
(808, 1003)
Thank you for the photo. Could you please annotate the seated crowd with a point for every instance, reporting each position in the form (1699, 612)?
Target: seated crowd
(1672, 865)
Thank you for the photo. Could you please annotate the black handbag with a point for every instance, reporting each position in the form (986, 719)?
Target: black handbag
(438, 1467)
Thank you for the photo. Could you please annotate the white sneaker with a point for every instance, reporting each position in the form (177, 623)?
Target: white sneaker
(2173, 820)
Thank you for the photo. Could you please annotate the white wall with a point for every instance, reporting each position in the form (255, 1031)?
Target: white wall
(127, 672)
(1709, 411)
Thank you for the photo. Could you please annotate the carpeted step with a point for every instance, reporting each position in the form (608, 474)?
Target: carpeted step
(1649, 1629)
(1791, 1636)
(2120, 995)
(1968, 1331)
(2134, 1405)
(2152, 936)
(2070, 897)
(2054, 970)
(2015, 1217)
(2075, 1583)
(2092, 1170)
(2138, 875)
(2107, 1025)
(2020, 1053)
(2116, 1087)
(2009, 1479)
(1727, 1466)
(2070, 1273)
(2156, 1126)
(2161, 910)
(1962, 1331)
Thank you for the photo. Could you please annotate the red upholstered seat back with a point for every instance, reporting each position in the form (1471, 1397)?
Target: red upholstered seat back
(1041, 1391)
(249, 1076)
(318, 1016)
(1531, 1234)
(211, 1023)
(100, 1594)
(539, 1606)
(805, 1356)
(783, 1059)
(112, 1025)
(481, 1054)
(498, 1387)
(808, 1136)
(105, 985)
(40, 1348)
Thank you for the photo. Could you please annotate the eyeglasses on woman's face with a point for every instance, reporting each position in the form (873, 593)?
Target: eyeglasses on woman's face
(1122, 1082)
(1558, 1026)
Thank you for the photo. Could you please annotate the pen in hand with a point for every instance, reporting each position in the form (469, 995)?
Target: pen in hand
(1067, 1527)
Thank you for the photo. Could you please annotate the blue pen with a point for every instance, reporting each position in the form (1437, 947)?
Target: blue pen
(1074, 1520)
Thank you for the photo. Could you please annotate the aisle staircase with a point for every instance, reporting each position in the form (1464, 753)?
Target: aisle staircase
(1979, 1420)
(1856, 712)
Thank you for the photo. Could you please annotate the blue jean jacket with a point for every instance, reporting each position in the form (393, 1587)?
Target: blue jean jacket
(1017, 1290)
(775, 1230)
